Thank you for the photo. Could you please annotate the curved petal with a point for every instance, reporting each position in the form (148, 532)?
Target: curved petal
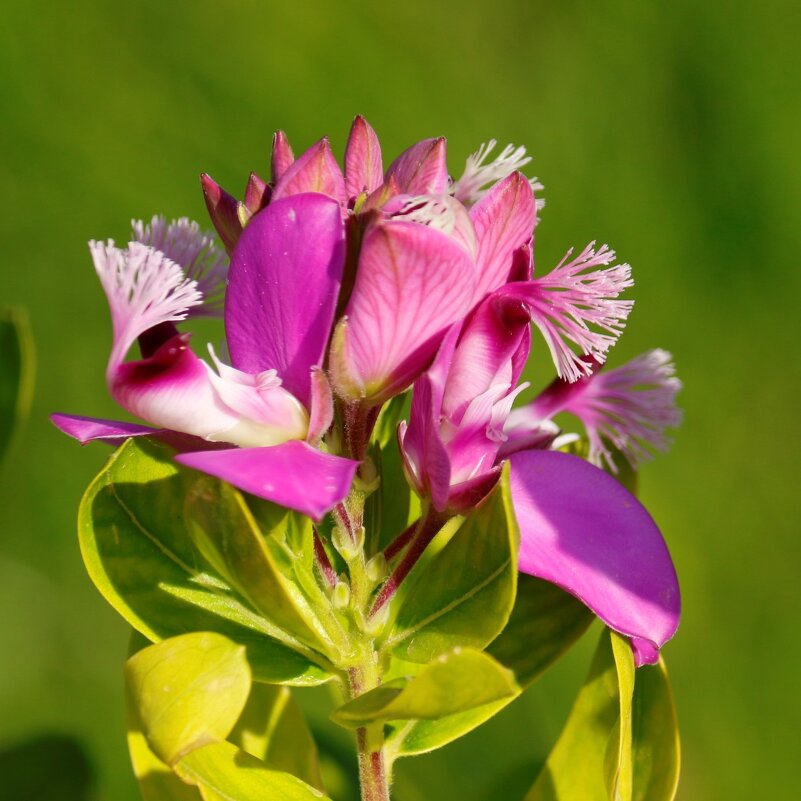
(89, 429)
(294, 474)
(424, 454)
(315, 171)
(282, 292)
(172, 388)
(582, 530)
(411, 284)
(421, 169)
(115, 432)
(504, 220)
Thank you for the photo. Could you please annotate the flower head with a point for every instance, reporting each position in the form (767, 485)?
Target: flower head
(347, 286)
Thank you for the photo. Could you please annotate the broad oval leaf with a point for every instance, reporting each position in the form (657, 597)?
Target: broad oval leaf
(224, 772)
(226, 534)
(157, 781)
(272, 728)
(188, 691)
(455, 682)
(619, 742)
(544, 623)
(464, 595)
(141, 558)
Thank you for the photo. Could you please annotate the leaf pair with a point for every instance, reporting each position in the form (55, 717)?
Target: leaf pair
(186, 695)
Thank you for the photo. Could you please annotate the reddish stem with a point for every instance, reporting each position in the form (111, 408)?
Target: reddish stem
(427, 528)
(400, 542)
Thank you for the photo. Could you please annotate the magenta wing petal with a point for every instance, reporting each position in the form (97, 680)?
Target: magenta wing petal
(294, 474)
(504, 220)
(412, 283)
(89, 429)
(582, 530)
(421, 169)
(282, 289)
(115, 432)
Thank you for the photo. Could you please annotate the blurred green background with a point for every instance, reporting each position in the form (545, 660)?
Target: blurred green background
(669, 130)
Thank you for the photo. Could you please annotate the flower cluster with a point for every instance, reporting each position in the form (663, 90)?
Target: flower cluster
(347, 288)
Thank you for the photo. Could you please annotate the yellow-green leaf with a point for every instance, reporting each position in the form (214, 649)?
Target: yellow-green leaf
(455, 682)
(619, 742)
(227, 535)
(188, 691)
(224, 772)
(140, 556)
(273, 729)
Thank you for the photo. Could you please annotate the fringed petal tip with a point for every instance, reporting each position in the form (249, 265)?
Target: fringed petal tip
(576, 306)
(144, 288)
(194, 250)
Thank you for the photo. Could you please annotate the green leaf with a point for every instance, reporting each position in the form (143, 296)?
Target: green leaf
(272, 728)
(464, 595)
(226, 534)
(455, 682)
(141, 558)
(16, 372)
(619, 742)
(655, 736)
(188, 691)
(223, 772)
(544, 623)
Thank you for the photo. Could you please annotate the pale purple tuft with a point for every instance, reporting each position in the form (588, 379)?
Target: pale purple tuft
(572, 297)
(197, 253)
(630, 407)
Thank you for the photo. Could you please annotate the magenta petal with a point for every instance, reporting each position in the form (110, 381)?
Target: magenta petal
(421, 170)
(363, 170)
(493, 347)
(115, 432)
(412, 283)
(503, 219)
(315, 171)
(294, 474)
(282, 289)
(582, 530)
